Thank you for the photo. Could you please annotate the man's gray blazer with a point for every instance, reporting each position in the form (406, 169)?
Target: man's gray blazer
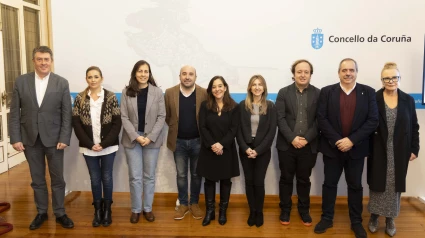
(51, 120)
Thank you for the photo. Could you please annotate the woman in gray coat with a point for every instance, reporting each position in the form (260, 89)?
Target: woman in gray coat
(143, 117)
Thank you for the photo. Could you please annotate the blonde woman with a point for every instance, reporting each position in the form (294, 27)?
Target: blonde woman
(255, 137)
(394, 146)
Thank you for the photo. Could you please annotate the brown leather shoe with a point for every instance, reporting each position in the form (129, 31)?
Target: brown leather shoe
(149, 216)
(134, 217)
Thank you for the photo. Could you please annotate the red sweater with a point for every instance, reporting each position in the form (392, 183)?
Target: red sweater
(347, 106)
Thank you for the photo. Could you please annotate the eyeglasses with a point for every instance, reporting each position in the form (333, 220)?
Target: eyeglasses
(393, 79)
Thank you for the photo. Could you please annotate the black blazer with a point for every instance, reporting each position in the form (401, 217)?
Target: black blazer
(265, 132)
(287, 109)
(364, 124)
(405, 142)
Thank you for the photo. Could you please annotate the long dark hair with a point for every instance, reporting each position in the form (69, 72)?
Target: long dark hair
(228, 102)
(133, 84)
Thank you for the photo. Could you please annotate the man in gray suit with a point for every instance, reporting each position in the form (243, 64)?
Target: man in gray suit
(40, 126)
(297, 140)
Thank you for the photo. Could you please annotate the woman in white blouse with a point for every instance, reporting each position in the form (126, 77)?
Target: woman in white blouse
(97, 122)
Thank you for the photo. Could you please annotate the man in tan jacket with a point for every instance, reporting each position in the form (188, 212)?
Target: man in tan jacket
(182, 103)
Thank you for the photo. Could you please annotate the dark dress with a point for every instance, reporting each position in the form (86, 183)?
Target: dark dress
(387, 203)
(214, 128)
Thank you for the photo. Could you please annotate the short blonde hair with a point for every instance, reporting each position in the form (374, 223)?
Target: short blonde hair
(390, 65)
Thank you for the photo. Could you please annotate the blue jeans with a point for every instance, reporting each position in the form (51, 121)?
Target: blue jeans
(141, 172)
(187, 153)
(100, 170)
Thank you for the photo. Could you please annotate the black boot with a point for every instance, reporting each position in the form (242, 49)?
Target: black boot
(224, 202)
(259, 219)
(252, 218)
(210, 203)
(107, 212)
(250, 196)
(259, 204)
(98, 213)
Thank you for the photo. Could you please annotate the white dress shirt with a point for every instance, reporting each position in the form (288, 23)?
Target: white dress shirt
(187, 95)
(95, 113)
(40, 87)
(348, 91)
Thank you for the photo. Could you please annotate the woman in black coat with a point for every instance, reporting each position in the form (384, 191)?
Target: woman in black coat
(255, 137)
(218, 158)
(394, 144)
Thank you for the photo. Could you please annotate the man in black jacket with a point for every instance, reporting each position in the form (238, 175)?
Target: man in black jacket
(297, 140)
(347, 114)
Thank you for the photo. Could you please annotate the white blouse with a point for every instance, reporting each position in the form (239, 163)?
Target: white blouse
(95, 111)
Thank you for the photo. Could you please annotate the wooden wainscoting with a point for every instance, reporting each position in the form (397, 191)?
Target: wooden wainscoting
(15, 188)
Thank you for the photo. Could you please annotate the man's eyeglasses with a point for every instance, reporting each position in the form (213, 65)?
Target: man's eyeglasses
(393, 79)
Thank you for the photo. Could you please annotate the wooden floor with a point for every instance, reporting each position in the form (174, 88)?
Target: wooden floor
(15, 188)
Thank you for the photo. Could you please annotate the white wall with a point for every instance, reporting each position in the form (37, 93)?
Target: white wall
(235, 39)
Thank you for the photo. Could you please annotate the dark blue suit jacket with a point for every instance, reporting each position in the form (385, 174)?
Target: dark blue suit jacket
(329, 120)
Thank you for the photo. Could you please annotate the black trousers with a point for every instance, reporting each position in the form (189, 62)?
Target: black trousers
(223, 181)
(353, 169)
(255, 173)
(225, 188)
(298, 162)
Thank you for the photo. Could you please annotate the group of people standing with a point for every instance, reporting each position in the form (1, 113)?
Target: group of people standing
(346, 122)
